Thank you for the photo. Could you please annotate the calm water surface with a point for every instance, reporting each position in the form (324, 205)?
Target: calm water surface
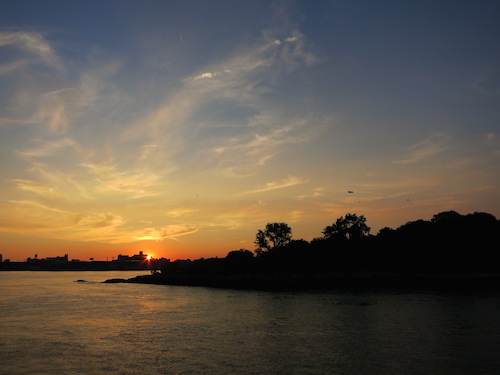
(51, 324)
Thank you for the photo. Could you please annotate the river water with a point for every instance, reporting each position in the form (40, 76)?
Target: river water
(52, 324)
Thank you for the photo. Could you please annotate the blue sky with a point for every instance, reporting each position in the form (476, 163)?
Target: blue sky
(182, 127)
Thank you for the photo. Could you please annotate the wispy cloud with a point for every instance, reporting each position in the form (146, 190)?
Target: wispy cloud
(315, 193)
(180, 212)
(48, 148)
(255, 148)
(274, 185)
(269, 138)
(100, 220)
(169, 231)
(205, 75)
(266, 57)
(486, 83)
(36, 187)
(425, 150)
(180, 125)
(13, 66)
(135, 182)
(296, 215)
(105, 227)
(34, 43)
(36, 214)
(490, 137)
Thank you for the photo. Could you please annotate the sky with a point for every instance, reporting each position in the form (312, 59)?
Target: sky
(180, 128)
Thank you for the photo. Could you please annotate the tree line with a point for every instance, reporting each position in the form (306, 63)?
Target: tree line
(448, 243)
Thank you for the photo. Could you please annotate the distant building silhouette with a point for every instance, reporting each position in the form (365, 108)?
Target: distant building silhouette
(137, 258)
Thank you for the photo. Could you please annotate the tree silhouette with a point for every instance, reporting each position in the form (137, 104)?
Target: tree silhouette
(448, 244)
(275, 235)
(446, 216)
(239, 255)
(351, 226)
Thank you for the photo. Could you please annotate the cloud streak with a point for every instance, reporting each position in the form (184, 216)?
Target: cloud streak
(147, 139)
(281, 184)
(33, 43)
(105, 227)
(425, 150)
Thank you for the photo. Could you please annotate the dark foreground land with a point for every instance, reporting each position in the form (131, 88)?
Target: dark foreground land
(323, 282)
(450, 252)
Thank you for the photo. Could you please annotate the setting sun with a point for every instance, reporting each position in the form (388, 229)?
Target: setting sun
(185, 183)
(405, 123)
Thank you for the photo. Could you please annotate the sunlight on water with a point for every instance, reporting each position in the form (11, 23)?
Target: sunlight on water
(52, 324)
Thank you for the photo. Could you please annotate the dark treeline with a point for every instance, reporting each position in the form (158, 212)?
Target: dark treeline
(448, 244)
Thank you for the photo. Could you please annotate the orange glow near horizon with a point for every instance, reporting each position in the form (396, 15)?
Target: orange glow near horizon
(195, 168)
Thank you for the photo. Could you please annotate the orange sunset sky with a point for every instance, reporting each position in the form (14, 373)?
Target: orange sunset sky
(180, 128)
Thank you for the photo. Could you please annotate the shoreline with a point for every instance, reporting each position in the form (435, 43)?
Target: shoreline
(358, 282)
(75, 269)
